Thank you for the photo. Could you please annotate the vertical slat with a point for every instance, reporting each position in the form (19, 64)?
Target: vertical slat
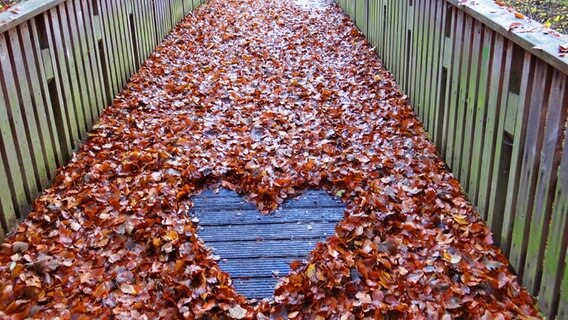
(411, 56)
(38, 85)
(417, 61)
(120, 52)
(396, 36)
(108, 60)
(82, 86)
(426, 65)
(14, 135)
(493, 96)
(532, 146)
(547, 173)
(454, 86)
(554, 285)
(111, 56)
(509, 214)
(71, 65)
(92, 49)
(7, 214)
(59, 91)
(498, 184)
(447, 60)
(438, 38)
(11, 182)
(465, 65)
(381, 29)
(480, 111)
(29, 134)
(126, 36)
(431, 69)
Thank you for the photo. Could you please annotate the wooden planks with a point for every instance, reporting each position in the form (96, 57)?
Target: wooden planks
(61, 63)
(493, 99)
(255, 248)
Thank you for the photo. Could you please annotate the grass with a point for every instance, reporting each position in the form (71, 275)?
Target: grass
(552, 13)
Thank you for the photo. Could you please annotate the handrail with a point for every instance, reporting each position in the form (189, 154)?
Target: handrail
(529, 34)
(23, 11)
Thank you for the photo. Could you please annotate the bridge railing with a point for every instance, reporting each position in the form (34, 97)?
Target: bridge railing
(491, 88)
(61, 63)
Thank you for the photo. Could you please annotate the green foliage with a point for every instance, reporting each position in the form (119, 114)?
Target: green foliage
(5, 4)
(552, 13)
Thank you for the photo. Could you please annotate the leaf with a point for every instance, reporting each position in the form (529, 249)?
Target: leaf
(452, 257)
(518, 15)
(237, 312)
(128, 289)
(514, 25)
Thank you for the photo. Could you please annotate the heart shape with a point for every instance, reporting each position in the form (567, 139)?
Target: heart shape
(253, 248)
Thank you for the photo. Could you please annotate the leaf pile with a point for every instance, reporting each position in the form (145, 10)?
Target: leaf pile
(267, 99)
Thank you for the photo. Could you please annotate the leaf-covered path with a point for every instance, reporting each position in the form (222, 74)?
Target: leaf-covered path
(269, 99)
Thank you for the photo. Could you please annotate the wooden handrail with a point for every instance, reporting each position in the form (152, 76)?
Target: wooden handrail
(23, 11)
(529, 34)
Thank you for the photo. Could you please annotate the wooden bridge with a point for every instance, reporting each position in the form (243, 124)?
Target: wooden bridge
(345, 206)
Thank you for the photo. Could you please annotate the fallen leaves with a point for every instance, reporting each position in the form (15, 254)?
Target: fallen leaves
(267, 99)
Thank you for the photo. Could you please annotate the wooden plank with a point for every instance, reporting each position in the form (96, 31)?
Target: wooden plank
(58, 91)
(252, 216)
(441, 90)
(17, 147)
(105, 52)
(11, 182)
(83, 86)
(438, 37)
(547, 173)
(414, 86)
(115, 16)
(126, 36)
(67, 44)
(509, 214)
(501, 158)
(470, 105)
(554, 285)
(431, 69)
(44, 115)
(264, 249)
(537, 109)
(372, 23)
(59, 61)
(426, 65)
(395, 38)
(480, 114)
(255, 288)
(489, 135)
(410, 49)
(465, 65)
(93, 51)
(453, 101)
(268, 231)
(261, 268)
(111, 60)
(29, 135)
(563, 301)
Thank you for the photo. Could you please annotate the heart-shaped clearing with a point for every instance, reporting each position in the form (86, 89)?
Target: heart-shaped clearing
(254, 249)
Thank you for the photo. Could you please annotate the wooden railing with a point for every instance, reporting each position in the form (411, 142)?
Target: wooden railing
(61, 63)
(492, 91)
